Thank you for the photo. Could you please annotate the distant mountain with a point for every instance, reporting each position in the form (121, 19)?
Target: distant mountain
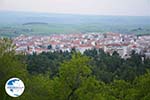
(35, 23)
(27, 17)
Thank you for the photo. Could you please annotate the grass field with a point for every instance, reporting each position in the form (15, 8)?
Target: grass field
(13, 24)
(17, 29)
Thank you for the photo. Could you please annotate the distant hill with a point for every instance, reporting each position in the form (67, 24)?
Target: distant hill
(16, 23)
(35, 23)
(26, 17)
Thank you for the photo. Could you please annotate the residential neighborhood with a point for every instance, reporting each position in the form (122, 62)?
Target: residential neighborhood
(124, 44)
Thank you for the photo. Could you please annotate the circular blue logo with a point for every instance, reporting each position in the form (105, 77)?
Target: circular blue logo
(14, 87)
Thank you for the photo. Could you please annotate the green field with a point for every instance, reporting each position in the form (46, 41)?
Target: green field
(13, 24)
(37, 29)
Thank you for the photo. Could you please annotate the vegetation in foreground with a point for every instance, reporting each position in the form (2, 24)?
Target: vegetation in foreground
(93, 75)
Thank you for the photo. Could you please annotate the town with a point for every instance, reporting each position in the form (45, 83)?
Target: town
(123, 44)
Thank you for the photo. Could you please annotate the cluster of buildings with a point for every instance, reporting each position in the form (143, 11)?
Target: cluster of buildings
(124, 44)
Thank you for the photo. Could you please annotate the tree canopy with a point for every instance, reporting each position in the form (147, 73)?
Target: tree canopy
(94, 75)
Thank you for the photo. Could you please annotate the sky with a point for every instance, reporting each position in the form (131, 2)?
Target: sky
(90, 7)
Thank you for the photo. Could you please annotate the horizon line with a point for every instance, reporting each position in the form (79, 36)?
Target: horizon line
(72, 13)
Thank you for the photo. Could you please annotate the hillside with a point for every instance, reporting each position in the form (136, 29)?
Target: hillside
(15, 23)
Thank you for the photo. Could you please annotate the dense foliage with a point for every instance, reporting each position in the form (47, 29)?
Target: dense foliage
(94, 75)
(104, 67)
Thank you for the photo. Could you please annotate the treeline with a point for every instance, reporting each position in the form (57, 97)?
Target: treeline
(104, 67)
(35, 23)
(94, 75)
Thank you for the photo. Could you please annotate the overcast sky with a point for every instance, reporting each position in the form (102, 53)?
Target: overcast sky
(98, 7)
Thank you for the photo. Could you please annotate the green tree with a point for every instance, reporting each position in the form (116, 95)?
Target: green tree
(141, 88)
(9, 66)
(38, 87)
(119, 89)
(71, 75)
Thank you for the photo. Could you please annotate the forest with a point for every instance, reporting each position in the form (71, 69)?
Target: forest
(94, 75)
